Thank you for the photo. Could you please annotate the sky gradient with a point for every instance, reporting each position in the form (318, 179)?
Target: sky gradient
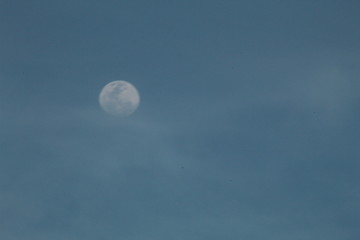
(248, 126)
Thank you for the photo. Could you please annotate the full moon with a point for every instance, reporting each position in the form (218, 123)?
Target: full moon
(119, 98)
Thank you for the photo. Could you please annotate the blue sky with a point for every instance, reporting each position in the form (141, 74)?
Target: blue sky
(248, 126)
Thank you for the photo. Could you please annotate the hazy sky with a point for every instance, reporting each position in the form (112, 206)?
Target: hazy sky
(248, 126)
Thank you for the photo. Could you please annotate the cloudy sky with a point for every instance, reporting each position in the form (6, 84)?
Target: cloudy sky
(248, 126)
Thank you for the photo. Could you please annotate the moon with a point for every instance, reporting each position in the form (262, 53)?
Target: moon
(119, 98)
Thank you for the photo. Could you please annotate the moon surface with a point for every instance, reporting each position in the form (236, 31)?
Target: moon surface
(119, 98)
